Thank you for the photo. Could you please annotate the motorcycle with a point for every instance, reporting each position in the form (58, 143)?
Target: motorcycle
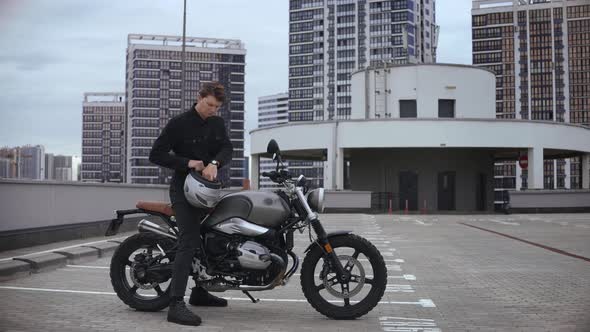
(248, 238)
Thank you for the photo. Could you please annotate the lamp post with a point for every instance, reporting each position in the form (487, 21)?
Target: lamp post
(183, 58)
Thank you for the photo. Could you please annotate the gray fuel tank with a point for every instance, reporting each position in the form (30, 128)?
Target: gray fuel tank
(262, 208)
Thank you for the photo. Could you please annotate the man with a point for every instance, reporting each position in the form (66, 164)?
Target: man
(199, 141)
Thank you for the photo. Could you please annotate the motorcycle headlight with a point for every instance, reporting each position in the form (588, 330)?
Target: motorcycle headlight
(315, 199)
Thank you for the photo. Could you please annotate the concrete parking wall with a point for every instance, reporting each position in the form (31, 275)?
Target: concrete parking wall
(549, 200)
(378, 170)
(40, 204)
(32, 204)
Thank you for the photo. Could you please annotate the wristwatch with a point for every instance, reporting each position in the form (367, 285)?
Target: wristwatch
(215, 162)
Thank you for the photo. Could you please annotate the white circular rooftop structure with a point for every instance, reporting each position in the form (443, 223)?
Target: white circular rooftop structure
(414, 128)
(384, 92)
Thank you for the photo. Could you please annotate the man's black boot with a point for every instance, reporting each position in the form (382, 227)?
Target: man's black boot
(178, 313)
(200, 297)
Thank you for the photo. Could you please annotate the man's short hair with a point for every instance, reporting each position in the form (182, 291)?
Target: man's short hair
(214, 89)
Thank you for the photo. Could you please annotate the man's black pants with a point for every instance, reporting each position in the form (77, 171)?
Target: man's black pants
(189, 220)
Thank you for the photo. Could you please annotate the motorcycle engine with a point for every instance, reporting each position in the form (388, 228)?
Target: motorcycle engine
(253, 256)
(235, 253)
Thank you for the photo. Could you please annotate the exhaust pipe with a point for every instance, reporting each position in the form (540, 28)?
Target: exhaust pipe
(149, 226)
(293, 268)
(277, 259)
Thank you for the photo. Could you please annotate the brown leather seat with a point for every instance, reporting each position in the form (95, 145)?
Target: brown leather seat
(164, 208)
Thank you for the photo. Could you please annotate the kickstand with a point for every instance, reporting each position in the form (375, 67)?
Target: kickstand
(251, 298)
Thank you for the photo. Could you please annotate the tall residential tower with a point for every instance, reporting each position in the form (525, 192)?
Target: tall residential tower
(540, 52)
(153, 90)
(329, 39)
(103, 138)
(272, 111)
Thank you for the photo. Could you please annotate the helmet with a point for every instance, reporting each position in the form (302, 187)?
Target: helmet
(200, 192)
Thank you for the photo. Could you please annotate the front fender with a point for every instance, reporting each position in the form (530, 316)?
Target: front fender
(330, 235)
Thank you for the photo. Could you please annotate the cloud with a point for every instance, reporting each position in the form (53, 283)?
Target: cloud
(30, 61)
(74, 46)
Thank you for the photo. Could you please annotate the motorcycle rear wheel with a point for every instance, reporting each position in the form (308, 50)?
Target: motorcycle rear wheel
(325, 296)
(138, 293)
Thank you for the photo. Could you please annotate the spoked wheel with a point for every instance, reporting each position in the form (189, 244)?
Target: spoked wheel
(140, 272)
(358, 292)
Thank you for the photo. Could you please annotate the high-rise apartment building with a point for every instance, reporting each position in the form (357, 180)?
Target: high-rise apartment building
(58, 167)
(153, 90)
(272, 111)
(4, 168)
(540, 53)
(63, 174)
(63, 168)
(329, 39)
(31, 162)
(49, 167)
(103, 138)
(8, 163)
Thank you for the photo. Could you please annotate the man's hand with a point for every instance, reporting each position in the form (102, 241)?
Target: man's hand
(196, 164)
(210, 172)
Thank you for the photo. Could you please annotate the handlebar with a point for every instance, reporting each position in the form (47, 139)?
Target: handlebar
(278, 177)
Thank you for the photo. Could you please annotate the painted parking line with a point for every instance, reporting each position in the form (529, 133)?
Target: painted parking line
(394, 268)
(409, 277)
(404, 324)
(397, 260)
(426, 303)
(392, 288)
(88, 267)
(405, 276)
(503, 222)
(381, 246)
(559, 251)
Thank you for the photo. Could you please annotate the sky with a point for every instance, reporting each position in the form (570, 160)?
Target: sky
(53, 51)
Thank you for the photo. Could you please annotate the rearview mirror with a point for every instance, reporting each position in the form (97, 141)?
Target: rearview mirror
(272, 147)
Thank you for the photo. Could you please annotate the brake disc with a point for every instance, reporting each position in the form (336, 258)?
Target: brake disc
(136, 282)
(134, 270)
(339, 293)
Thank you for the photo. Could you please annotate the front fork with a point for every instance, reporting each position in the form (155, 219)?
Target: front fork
(324, 243)
(322, 237)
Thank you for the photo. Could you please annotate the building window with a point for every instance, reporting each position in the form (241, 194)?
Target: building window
(407, 108)
(446, 108)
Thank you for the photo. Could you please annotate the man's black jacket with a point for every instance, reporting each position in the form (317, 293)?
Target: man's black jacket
(188, 136)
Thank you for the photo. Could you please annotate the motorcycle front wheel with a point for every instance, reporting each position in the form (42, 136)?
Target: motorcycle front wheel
(352, 298)
(130, 272)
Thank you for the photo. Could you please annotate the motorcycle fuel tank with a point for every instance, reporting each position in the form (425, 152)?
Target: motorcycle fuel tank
(265, 209)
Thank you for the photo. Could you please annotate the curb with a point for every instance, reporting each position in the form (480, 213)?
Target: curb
(14, 269)
(79, 255)
(44, 262)
(104, 248)
(26, 265)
